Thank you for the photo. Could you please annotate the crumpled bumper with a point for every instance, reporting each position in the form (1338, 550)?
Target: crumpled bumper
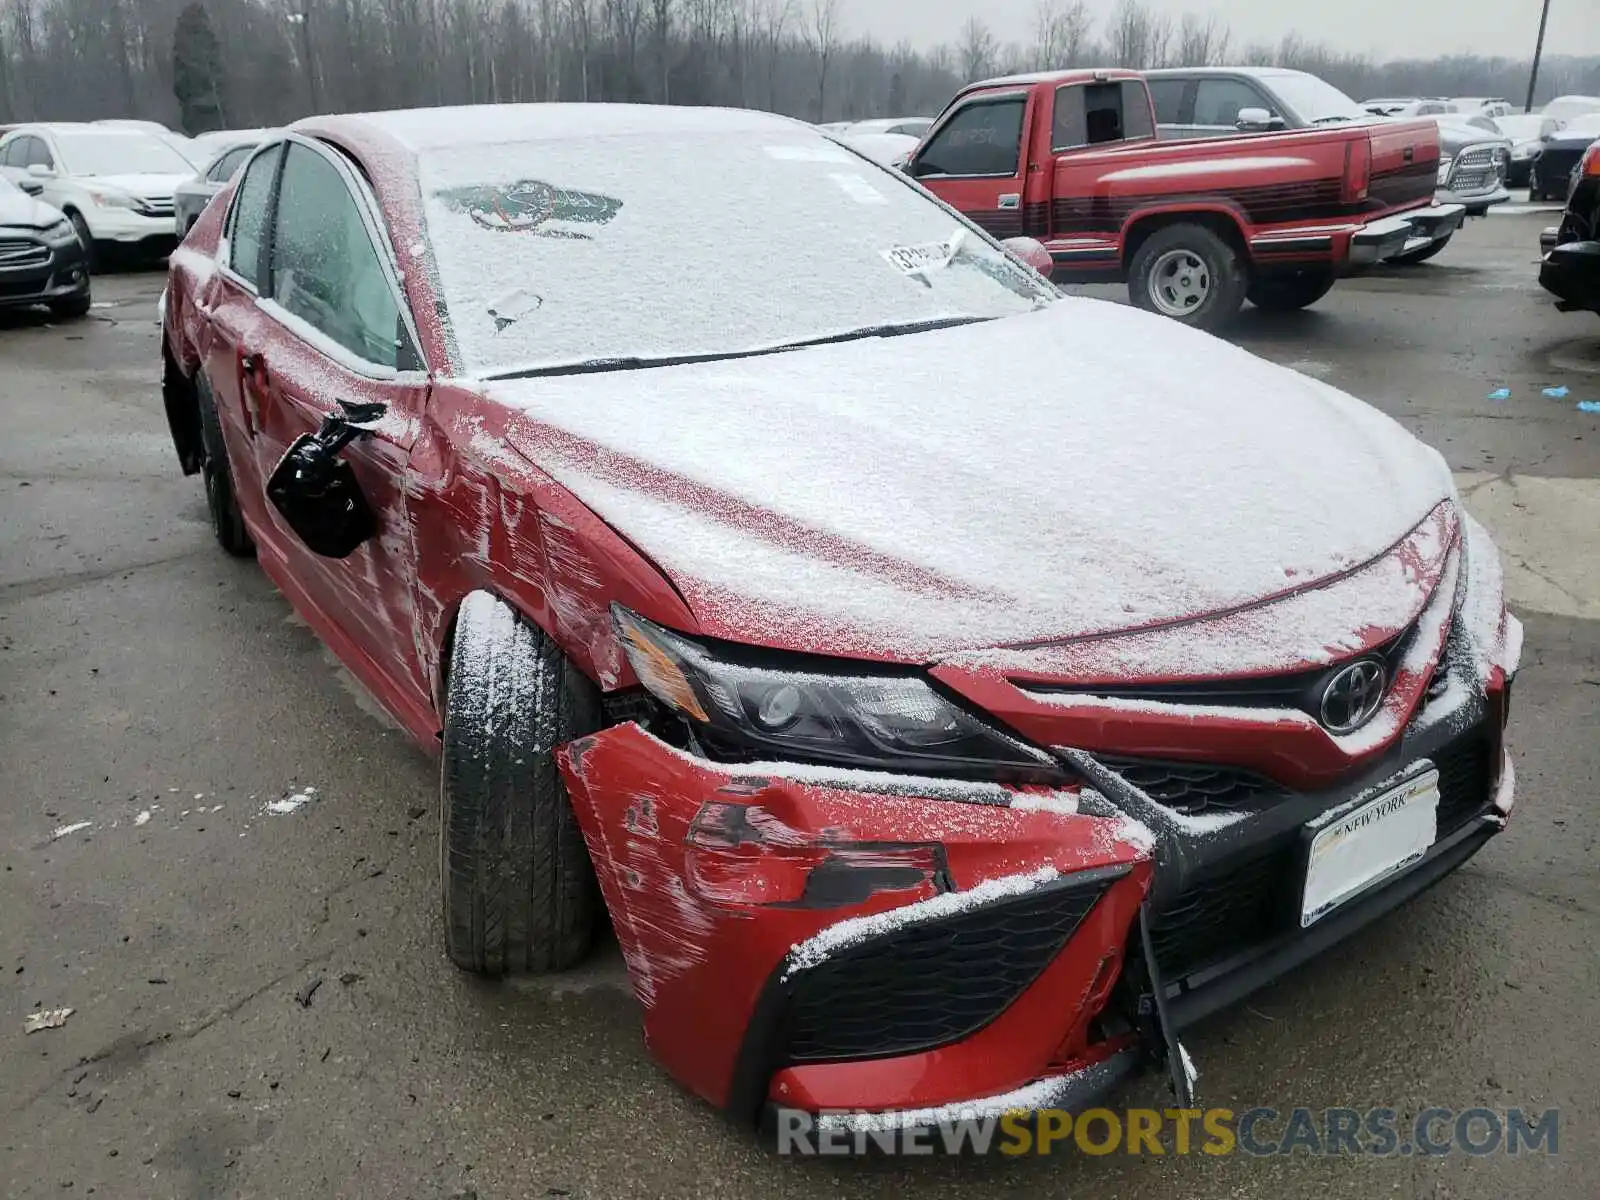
(840, 940)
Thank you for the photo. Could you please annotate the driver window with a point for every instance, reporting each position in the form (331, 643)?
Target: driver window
(38, 154)
(984, 138)
(325, 269)
(1218, 101)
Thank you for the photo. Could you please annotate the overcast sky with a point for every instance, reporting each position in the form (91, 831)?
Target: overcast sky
(1381, 28)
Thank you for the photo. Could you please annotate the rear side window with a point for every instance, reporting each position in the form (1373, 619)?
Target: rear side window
(223, 169)
(247, 222)
(1219, 101)
(325, 269)
(1090, 114)
(1168, 97)
(984, 138)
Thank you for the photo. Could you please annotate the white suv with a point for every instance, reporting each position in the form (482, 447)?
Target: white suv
(115, 185)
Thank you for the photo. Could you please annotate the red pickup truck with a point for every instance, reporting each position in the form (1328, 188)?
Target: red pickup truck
(1194, 227)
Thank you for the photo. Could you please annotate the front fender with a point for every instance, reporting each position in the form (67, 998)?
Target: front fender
(833, 939)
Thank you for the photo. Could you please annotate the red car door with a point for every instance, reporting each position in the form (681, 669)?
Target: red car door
(973, 160)
(236, 328)
(340, 332)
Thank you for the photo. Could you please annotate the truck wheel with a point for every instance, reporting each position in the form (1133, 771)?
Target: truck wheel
(1420, 256)
(1290, 292)
(226, 521)
(1188, 273)
(519, 891)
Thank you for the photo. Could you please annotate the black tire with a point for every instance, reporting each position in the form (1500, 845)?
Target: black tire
(75, 308)
(1420, 256)
(1216, 271)
(1289, 292)
(227, 523)
(518, 888)
(81, 227)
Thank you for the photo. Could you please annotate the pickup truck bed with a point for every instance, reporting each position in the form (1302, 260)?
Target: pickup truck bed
(1194, 227)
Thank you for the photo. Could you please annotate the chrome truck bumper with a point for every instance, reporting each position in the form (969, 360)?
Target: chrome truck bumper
(1409, 231)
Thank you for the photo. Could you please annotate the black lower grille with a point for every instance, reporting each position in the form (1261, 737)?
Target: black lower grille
(1193, 788)
(932, 984)
(1463, 783)
(1217, 917)
(1256, 899)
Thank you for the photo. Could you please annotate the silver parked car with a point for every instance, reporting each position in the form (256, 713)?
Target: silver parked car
(191, 197)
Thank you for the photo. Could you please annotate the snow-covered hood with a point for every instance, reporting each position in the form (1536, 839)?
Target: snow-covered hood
(1083, 469)
(18, 210)
(144, 186)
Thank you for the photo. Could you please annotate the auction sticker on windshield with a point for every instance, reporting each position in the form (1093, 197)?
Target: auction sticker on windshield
(930, 256)
(1379, 838)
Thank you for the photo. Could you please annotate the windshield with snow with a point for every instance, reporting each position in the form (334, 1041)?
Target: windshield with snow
(676, 245)
(120, 154)
(1316, 100)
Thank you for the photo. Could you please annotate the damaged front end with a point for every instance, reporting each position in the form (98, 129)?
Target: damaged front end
(838, 939)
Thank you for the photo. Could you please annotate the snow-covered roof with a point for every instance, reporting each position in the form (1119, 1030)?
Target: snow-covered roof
(423, 129)
(1253, 72)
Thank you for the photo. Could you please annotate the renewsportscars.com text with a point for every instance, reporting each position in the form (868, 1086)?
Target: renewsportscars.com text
(1257, 1132)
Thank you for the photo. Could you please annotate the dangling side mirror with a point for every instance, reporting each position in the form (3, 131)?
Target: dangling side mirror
(316, 491)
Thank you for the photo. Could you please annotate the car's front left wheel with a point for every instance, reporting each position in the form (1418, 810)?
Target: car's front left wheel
(519, 891)
(227, 522)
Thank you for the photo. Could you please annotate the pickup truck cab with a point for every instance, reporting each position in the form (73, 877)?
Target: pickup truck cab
(1193, 227)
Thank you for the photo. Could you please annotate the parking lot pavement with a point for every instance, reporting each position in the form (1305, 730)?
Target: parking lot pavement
(262, 1007)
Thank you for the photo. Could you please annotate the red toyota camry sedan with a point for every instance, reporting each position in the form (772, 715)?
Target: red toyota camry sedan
(946, 689)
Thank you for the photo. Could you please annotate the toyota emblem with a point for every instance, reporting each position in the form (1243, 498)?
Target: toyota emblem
(1353, 696)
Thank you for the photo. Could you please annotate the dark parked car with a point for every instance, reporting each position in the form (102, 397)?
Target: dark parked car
(41, 259)
(1553, 169)
(1570, 269)
(190, 199)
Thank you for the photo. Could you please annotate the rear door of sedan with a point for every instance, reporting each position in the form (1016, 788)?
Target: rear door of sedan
(339, 330)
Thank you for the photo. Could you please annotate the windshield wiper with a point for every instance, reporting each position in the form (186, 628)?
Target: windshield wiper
(1331, 120)
(597, 366)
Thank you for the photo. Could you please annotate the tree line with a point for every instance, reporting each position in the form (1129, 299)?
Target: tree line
(204, 64)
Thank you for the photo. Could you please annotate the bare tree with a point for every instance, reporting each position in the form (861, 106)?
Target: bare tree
(278, 59)
(1202, 43)
(772, 20)
(822, 37)
(581, 14)
(1060, 33)
(976, 49)
(661, 32)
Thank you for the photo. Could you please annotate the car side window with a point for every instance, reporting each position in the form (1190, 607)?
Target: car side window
(1089, 114)
(222, 170)
(1167, 94)
(11, 153)
(325, 269)
(983, 138)
(1218, 101)
(247, 220)
(39, 154)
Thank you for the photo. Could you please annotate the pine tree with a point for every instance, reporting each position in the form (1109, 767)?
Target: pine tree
(197, 71)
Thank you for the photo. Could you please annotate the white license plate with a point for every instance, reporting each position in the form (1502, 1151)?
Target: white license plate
(1381, 837)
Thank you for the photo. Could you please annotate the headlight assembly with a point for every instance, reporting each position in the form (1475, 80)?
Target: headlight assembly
(841, 714)
(106, 198)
